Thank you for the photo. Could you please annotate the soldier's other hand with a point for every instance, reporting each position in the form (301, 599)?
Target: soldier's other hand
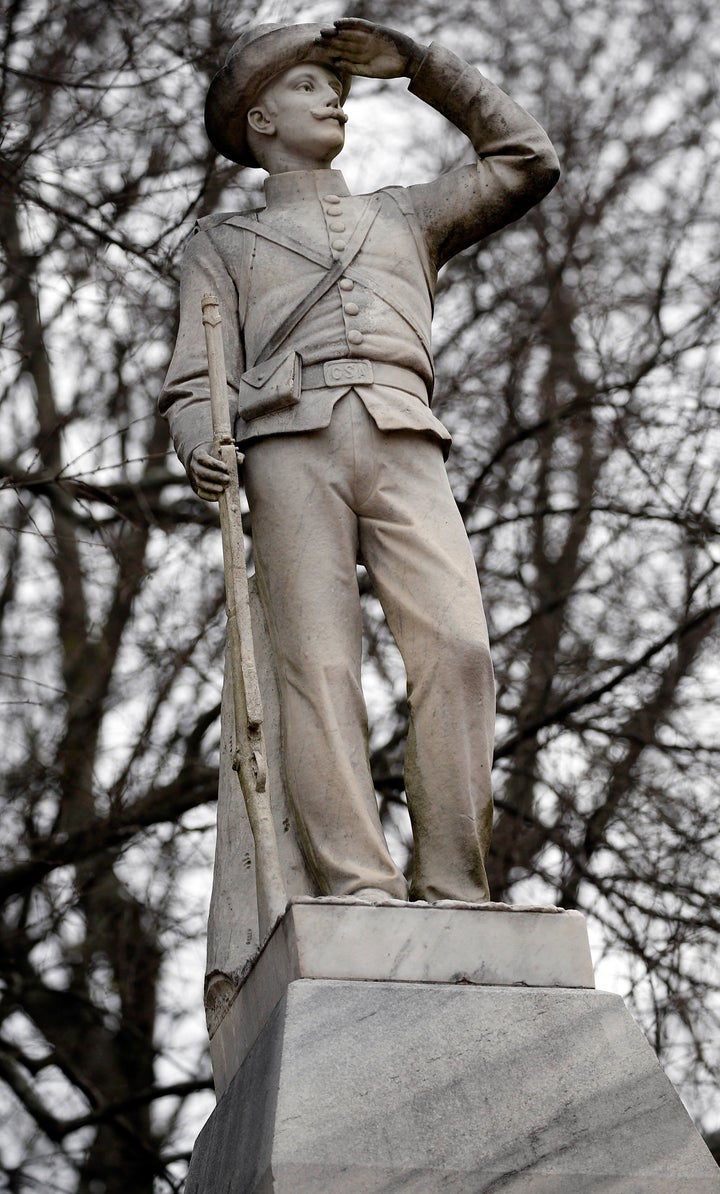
(374, 51)
(208, 475)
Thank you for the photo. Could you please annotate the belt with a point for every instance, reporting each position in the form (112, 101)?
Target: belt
(356, 371)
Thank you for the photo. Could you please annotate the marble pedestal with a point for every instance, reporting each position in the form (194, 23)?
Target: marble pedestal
(423, 1049)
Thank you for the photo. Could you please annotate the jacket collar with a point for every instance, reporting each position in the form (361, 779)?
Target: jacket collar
(303, 186)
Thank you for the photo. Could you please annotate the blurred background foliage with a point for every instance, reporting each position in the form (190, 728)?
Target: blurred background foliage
(577, 356)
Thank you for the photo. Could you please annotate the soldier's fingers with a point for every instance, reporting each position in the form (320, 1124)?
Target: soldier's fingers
(209, 483)
(350, 43)
(206, 458)
(212, 471)
(211, 490)
(347, 24)
(210, 486)
(347, 56)
(214, 487)
(351, 40)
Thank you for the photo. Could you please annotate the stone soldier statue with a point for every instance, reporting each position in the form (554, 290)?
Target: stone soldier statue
(327, 304)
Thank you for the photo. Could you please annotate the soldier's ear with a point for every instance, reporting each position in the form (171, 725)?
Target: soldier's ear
(260, 121)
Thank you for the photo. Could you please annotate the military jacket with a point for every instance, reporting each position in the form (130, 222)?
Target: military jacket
(380, 309)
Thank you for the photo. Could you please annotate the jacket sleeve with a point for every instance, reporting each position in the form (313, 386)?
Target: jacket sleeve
(185, 397)
(516, 165)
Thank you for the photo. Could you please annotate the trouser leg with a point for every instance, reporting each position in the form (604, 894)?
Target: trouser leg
(416, 550)
(305, 543)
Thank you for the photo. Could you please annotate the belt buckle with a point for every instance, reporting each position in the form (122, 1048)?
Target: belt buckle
(348, 371)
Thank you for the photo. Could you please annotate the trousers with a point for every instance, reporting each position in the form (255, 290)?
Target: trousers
(317, 500)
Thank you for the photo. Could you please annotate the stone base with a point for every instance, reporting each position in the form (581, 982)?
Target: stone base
(487, 944)
(421, 1048)
(419, 1087)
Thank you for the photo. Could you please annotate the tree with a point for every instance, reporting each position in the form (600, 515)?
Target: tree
(575, 368)
(114, 680)
(574, 354)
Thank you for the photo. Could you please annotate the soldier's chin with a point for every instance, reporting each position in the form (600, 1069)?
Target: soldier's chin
(339, 130)
(333, 138)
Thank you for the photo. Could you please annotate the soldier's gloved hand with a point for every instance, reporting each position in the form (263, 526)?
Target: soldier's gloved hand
(208, 475)
(374, 51)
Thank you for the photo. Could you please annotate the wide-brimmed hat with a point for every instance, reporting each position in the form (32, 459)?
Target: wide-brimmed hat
(259, 55)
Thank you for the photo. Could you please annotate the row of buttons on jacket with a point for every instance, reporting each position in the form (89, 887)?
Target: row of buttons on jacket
(336, 224)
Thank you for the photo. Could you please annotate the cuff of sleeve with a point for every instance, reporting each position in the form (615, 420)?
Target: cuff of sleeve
(186, 444)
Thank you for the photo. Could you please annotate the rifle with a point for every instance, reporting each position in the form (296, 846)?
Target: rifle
(250, 760)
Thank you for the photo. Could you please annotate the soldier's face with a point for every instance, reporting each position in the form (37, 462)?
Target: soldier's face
(301, 111)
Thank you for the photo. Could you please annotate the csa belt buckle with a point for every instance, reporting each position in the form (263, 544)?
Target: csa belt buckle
(348, 371)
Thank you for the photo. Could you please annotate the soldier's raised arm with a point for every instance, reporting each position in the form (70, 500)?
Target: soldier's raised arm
(516, 164)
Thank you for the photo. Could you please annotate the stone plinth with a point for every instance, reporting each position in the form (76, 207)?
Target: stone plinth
(458, 1068)
(487, 944)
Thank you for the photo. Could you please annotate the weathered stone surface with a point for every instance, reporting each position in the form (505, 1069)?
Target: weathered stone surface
(492, 944)
(390, 1086)
(233, 938)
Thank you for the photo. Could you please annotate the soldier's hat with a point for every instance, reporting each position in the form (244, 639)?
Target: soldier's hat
(259, 55)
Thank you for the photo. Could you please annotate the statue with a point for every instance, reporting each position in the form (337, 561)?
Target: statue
(327, 305)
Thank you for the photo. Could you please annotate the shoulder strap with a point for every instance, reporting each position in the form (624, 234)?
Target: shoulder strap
(402, 198)
(321, 287)
(205, 223)
(277, 237)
